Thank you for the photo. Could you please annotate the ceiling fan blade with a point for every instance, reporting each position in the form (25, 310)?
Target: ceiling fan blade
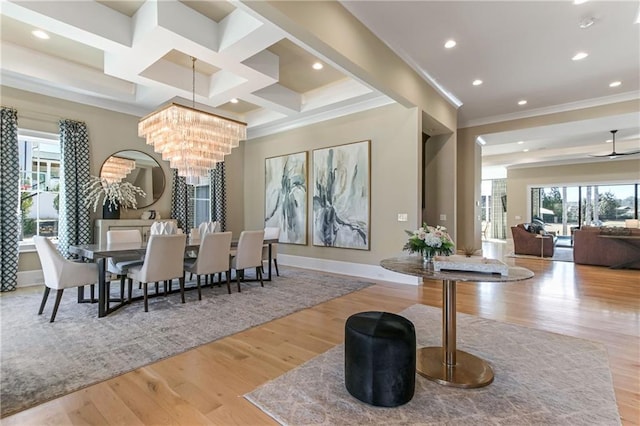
(616, 154)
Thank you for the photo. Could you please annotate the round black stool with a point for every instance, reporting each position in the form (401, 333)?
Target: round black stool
(380, 358)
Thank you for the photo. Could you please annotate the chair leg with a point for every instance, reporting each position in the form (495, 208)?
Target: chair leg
(122, 277)
(181, 279)
(130, 289)
(146, 302)
(259, 274)
(220, 278)
(275, 263)
(55, 307)
(228, 276)
(199, 291)
(166, 284)
(44, 299)
(157, 287)
(93, 293)
(238, 280)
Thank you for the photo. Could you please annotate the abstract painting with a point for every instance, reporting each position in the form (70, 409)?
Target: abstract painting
(285, 196)
(341, 178)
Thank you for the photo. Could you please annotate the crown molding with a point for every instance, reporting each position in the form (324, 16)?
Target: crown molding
(588, 103)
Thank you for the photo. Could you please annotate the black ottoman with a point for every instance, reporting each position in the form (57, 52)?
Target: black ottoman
(380, 358)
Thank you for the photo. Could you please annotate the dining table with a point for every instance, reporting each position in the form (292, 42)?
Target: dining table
(99, 253)
(446, 364)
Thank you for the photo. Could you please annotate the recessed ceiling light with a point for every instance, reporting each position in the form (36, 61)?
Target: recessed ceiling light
(40, 34)
(449, 44)
(520, 142)
(317, 66)
(525, 150)
(580, 55)
(608, 141)
(234, 101)
(615, 83)
(477, 82)
(522, 102)
(579, 1)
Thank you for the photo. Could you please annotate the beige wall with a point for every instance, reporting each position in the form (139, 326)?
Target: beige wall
(440, 182)
(521, 179)
(394, 132)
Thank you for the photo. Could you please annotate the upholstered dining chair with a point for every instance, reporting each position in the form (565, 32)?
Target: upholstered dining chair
(120, 265)
(271, 233)
(213, 258)
(163, 261)
(248, 254)
(163, 228)
(208, 227)
(60, 273)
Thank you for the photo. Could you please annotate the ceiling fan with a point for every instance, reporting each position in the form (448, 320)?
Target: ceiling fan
(615, 154)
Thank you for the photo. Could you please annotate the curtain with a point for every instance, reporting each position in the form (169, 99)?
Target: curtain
(9, 199)
(75, 224)
(218, 195)
(181, 202)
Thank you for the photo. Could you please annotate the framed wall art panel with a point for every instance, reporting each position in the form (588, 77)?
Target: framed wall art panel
(285, 196)
(341, 204)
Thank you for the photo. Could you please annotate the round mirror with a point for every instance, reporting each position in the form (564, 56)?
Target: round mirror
(139, 169)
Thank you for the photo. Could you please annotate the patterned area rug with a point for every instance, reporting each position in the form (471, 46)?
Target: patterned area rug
(541, 378)
(41, 361)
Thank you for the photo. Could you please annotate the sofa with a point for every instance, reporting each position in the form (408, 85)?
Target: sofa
(531, 239)
(607, 246)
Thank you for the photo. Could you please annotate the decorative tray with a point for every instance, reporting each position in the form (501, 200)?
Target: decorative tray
(470, 264)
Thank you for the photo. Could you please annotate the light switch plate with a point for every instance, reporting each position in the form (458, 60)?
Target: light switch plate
(443, 217)
(403, 217)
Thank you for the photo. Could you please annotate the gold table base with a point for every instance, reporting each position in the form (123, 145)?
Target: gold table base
(468, 372)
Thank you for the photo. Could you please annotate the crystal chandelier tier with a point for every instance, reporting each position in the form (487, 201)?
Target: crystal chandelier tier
(116, 168)
(193, 141)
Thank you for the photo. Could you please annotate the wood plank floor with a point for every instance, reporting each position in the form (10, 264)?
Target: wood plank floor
(205, 385)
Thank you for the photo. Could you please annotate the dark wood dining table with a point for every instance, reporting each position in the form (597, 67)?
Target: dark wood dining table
(99, 253)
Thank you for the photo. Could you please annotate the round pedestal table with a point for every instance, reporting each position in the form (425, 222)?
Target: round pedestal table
(446, 364)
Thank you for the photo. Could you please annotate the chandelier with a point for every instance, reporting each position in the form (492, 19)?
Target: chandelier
(116, 168)
(192, 141)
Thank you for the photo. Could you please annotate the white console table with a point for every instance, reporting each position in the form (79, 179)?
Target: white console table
(101, 227)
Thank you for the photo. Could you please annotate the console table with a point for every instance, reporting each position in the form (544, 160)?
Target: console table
(446, 364)
(101, 227)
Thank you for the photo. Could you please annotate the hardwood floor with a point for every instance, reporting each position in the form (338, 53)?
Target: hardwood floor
(205, 385)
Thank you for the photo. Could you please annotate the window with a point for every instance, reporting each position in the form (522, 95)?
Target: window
(39, 156)
(201, 205)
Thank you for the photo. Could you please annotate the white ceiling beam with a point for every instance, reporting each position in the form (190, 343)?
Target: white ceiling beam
(280, 98)
(87, 22)
(71, 75)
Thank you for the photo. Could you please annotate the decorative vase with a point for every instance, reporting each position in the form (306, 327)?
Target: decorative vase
(427, 258)
(114, 213)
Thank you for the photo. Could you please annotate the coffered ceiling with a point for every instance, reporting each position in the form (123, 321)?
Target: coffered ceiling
(134, 56)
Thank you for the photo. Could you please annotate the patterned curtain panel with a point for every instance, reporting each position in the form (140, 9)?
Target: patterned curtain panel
(181, 202)
(218, 195)
(75, 224)
(9, 199)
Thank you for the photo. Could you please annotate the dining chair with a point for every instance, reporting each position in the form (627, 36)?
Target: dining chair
(213, 258)
(271, 233)
(60, 273)
(120, 265)
(163, 228)
(207, 227)
(163, 261)
(248, 254)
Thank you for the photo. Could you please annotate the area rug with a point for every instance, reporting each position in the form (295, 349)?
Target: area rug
(42, 360)
(560, 254)
(541, 378)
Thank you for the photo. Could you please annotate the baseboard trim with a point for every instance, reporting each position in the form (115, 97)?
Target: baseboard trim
(30, 278)
(374, 272)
